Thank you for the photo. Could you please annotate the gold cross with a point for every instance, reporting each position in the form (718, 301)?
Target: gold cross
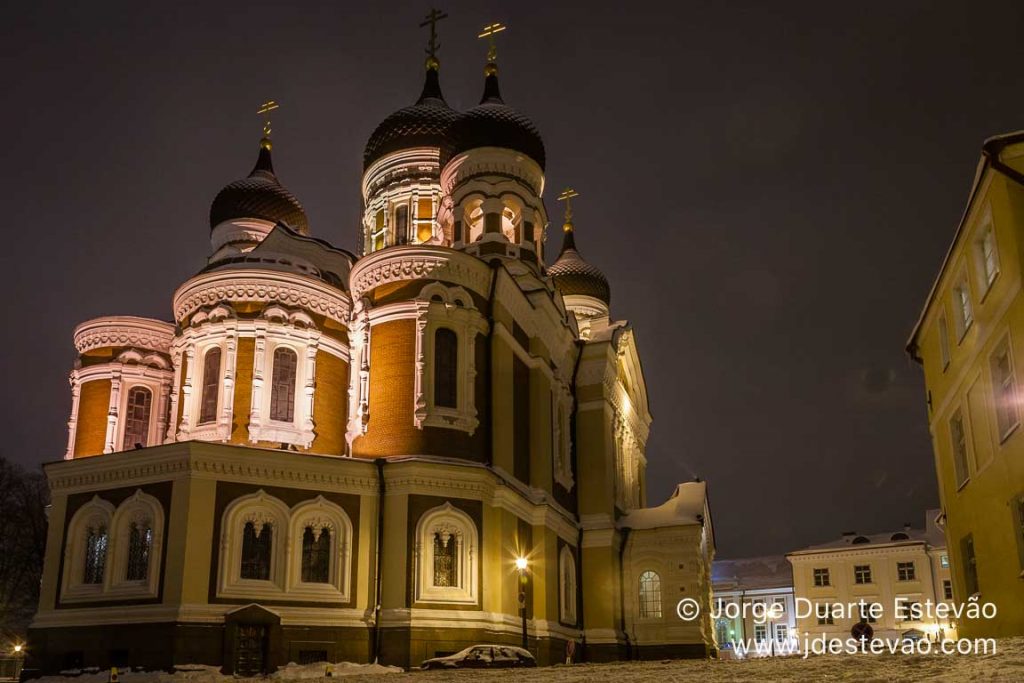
(431, 19)
(266, 108)
(566, 196)
(489, 31)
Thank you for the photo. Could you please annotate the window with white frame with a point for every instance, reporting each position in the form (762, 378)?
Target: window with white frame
(88, 544)
(761, 633)
(987, 257)
(253, 546)
(447, 555)
(943, 332)
(947, 589)
(446, 368)
(862, 573)
(962, 308)
(320, 534)
(137, 538)
(137, 417)
(1004, 388)
(905, 571)
(210, 386)
(282, 387)
(650, 595)
(781, 633)
(821, 577)
(826, 616)
(959, 442)
(867, 614)
(567, 585)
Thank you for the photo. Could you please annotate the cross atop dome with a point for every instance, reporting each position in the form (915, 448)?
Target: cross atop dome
(433, 46)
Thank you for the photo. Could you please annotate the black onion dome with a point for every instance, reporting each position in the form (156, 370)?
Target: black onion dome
(425, 124)
(260, 195)
(573, 275)
(492, 123)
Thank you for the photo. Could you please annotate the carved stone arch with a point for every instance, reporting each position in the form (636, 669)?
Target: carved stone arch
(146, 512)
(321, 514)
(450, 524)
(95, 514)
(261, 509)
(275, 312)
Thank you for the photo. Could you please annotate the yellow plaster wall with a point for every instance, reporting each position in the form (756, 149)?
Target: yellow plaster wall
(330, 404)
(93, 406)
(242, 407)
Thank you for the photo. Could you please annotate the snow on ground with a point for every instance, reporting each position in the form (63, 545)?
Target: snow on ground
(1007, 664)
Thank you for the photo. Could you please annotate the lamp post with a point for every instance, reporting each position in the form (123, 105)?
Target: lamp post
(521, 565)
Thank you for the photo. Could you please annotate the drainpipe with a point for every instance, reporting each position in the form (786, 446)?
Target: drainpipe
(489, 443)
(622, 593)
(574, 459)
(381, 490)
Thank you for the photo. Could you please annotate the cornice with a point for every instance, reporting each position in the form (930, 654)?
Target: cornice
(292, 289)
(124, 330)
(397, 264)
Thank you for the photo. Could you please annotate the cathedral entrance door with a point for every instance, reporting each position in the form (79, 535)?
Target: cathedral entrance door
(251, 653)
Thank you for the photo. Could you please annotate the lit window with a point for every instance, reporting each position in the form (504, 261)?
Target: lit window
(959, 438)
(257, 542)
(211, 385)
(821, 577)
(988, 256)
(136, 417)
(377, 232)
(425, 220)
(316, 555)
(862, 573)
(825, 614)
(446, 350)
(650, 595)
(446, 556)
(944, 561)
(781, 633)
(446, 559)
(96, 541)
(282, 392)
(905, 571)
(943, 330)
(760, 632)
(963, 309)
(140, 545)
(1005, 390)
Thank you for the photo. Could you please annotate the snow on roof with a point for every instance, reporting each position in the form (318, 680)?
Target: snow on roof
(751, 573)
(683, 507)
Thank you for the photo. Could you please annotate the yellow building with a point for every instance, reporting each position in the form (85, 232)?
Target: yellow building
(969, 341)
(330, 457)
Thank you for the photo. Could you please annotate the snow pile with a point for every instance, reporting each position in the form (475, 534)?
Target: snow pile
(202, 673)
(301, 672)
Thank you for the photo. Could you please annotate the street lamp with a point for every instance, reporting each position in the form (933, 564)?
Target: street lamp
(521, 565)
(17, 649)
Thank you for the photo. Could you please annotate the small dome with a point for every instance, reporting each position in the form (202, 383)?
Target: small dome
(492, 123)
(425, 124)
(259, 195)
(573, 275)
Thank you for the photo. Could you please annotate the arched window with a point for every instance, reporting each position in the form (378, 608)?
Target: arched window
(567, 584)
(316, 555)
(402, 224)
(140, 545)
(446, 351)
(136, 417)
(282, 391)
(96, 541)
(447, 556)
(650, 595)
(211, 386)
(257, 543)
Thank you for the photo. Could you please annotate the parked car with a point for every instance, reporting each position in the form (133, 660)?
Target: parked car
(483, 657)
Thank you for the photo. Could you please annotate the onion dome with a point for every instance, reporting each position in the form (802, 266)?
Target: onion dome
(573, 275)
(492, 123)
(259, 195)
(425, 124)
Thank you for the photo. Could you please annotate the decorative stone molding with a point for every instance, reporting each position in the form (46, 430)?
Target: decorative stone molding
(146, 512)
(320, 514)
(123, 330)
(567, 586)
(260, 509)
(359, 373)
(492, 161)
(261, 286)
(419, 262)
(457, 527)
(96, 515)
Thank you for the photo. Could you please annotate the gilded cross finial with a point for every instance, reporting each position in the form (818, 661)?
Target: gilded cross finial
(266, 108)
(432, 45)
(567, 196)
(489, 31)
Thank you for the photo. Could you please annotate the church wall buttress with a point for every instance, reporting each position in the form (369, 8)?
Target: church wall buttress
(93, 407)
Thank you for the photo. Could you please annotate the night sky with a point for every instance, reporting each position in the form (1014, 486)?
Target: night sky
(770, 190)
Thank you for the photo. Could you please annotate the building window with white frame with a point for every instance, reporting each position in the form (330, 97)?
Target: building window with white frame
(959, 440)
(943, 332)
(446, 368)
(760, 633)
(781, 633)
(447, 556)
(821, 577)
(282, 387)
(826, 617)
(988, 257)
(905, 571)
(1004, 387)
(96, 541)
(567, 585)
(316, 555)
(862, 573)
(136, 417)
(210, 386)
(650, 595)
(963, 309)
(867, 614)
(947, 589)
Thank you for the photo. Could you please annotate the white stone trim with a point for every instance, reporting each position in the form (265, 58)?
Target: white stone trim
(97, 512)
(420, 262)
(123, 330)
(259, 508)
(321, 514)
(561, 435)
(142, 509)
(449, 520)
(566, 575)
(359, 372)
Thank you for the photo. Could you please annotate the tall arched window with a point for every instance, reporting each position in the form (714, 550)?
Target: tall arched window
(316, 555)
(96, 541)
(136, 417)
(567, 584)
(257, 544)
(282, 391)
(402, 225)
(140, 545)
(446, 554)
(211, 386)
(650, 595)
(446, 352)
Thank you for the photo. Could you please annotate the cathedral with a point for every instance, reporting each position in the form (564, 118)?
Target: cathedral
(385, 457)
